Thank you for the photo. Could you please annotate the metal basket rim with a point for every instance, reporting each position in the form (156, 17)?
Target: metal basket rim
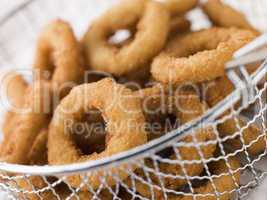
(139, 151)
(135, 153)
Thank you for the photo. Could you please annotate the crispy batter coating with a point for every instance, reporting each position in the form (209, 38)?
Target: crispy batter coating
(124, 124)
(59, 53)
(16, 88)
(225, 16)
(224, 183)
(28, 125)
(151, 35)
(216, 91)
(38, 184)
(187, 107)
(199, 56)
(190, 108)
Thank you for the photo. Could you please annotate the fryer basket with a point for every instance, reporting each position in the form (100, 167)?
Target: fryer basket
(18, 33)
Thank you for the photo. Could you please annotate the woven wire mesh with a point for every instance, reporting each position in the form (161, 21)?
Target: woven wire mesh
(150, 175)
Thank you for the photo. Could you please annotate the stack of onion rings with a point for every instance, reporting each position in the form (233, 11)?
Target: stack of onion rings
(29, 124)
(16, 87)
(57, 40)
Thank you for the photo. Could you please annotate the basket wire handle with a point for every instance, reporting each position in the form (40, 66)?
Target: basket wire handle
(236, 69)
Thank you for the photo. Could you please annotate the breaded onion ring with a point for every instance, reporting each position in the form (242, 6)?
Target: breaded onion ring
(16, 88)
(189, 107)
(124, 124)
(199, 56)
(225, 16)
(151, 35)
(57, 47)
(59, 53)
(29, 124)
(225, 183)
(218, 90)
(179, 7)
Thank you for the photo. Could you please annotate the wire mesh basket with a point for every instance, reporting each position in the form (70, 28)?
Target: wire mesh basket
(151, 174)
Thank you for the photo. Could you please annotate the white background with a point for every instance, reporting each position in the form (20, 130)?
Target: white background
(6, 5)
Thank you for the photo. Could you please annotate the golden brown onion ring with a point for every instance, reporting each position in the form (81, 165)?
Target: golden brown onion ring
(59, 53)
(57, 46)
(151, 35)
(29, 125)
(225, 16)
(124, 124)
(16, 88)
(199, 56)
